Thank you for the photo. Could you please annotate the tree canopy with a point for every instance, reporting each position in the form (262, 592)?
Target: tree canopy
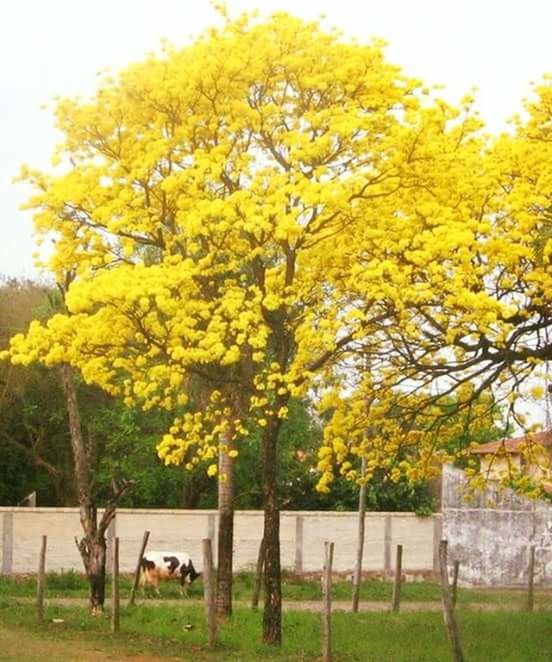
(248, 210)
(273, 211)
(467, 296)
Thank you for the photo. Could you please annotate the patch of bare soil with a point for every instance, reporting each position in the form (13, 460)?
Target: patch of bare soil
(315, 605)
(375, 605)
(311, 605)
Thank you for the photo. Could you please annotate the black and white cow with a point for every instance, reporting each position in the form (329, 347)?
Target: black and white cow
(159, 566)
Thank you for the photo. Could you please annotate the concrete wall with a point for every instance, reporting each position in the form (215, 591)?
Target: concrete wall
(491, 532)
(302, 536)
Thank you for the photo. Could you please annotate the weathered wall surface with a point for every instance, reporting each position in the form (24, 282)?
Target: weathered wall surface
(491, 533)
(302, 538)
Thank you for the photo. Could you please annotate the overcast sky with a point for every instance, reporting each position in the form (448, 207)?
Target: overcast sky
(56, 47)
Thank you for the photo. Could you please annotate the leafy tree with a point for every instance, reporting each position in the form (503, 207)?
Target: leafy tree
(128, 452)
(33, 437)
(230, 216)
(33, 427)
(468, 293)
(35, 450)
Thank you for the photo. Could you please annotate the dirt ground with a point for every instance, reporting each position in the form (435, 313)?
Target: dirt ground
(313, 605)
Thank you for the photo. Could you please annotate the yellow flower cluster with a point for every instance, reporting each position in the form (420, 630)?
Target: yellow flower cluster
(267, 211)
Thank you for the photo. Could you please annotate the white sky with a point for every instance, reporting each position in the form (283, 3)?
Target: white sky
(50, 47)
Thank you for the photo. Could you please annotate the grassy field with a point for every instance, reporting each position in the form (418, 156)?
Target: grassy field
(73, 584)
(153, 631)
(150, 633)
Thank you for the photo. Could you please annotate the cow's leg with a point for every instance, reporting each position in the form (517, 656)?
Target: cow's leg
(148, 576)
(144, 582)
(183, 582)
(142, 587)
(153, 581)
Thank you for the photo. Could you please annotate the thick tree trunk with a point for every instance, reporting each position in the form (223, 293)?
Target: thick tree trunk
(92, 546)
(93, 552)
(225, 531)
(272, 617)
(259, 573)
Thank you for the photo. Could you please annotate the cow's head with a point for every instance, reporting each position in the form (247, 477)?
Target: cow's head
(192, 574)
(188, 573)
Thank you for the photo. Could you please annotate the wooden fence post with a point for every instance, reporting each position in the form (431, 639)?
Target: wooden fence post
(327, 603)
(531, 579)
(209, 592)
(357, 577)
(455, 582)
(448, 610)
(40, 581)
(138, 566)
(115, 604)
(258, 576)
(397, 582)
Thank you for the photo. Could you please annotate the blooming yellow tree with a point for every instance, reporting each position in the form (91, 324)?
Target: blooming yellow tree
(243, 212)
(467, 290)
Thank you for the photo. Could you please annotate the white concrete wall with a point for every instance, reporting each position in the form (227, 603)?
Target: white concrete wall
(492, 531)
(302, 536)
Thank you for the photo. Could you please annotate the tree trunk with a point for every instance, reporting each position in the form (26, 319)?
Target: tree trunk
(93, 552)
(80, 457)
(92, 546)
(258, 576)
(448, 609)
(272, 617)
(225, 531)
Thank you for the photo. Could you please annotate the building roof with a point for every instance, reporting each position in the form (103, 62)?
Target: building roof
(513, 445)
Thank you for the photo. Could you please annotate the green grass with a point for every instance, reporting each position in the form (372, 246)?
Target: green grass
(405, 637)
(296, 588)
(68, 584)
(74, 585)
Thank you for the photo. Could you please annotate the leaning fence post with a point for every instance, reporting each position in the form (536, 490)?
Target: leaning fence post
(327, 603)
(397, 583)
(40, 581)
(448, 611)
(115, 604)
(208, 592)
(138, 566)
(531, 579)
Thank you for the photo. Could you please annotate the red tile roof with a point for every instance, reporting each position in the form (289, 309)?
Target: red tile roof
(512, 445)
